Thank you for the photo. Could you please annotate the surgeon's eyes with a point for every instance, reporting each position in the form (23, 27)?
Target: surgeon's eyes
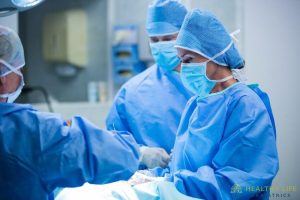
(187, 59)
(154, 39)
(167, 39)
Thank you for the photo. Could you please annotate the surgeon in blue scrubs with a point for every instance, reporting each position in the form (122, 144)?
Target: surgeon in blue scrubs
(225, 145)
(40, 151)
(150, 105)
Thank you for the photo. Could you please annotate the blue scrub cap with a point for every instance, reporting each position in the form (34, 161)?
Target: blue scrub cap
(165, 17)
(204, 34)
(11, 51)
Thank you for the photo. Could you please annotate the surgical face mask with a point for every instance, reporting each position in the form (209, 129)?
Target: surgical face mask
(176, 73)
(11, 97)
(165, 54)
(193, 77)
(239, 74)
(5, 70)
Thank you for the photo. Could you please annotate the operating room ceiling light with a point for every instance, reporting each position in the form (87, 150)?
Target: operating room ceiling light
(8, 7)
(26, 3)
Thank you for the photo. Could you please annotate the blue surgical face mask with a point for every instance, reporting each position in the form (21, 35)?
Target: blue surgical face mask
(193, 77)
(165, 54)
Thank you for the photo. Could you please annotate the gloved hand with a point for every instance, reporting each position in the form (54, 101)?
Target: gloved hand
(154, 157)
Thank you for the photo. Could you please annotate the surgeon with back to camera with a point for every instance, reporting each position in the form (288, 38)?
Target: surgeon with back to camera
(150, 105)
(226, 139)
(39, 151)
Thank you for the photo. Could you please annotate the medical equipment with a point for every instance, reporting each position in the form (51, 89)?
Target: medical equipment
(125, 56)
(65, 38)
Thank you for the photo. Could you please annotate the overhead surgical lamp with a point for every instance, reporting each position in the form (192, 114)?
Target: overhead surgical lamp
(8, 7)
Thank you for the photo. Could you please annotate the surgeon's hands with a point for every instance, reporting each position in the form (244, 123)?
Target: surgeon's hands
(154, 157)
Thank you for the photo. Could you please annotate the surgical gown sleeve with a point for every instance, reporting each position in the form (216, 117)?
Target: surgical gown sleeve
(82, 153)
(242, 157)
(116, 119)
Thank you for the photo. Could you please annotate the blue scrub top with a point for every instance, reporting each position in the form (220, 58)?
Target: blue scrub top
(39, 152)
(150, 106)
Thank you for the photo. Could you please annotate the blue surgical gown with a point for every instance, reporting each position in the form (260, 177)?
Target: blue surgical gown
(150, 106)
(225, 147)
(39, 152)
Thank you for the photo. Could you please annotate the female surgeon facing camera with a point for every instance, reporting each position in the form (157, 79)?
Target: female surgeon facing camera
(226, 138)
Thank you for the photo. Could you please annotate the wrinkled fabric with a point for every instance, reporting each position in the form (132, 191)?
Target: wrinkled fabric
(150, 106)
(165, 17)
(156, 190)
(265, 98)
(205, 35)
(224, 142)
(40, 152)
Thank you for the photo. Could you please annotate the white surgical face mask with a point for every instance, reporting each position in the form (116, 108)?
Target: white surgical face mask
(11, 97)
(240, 75)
